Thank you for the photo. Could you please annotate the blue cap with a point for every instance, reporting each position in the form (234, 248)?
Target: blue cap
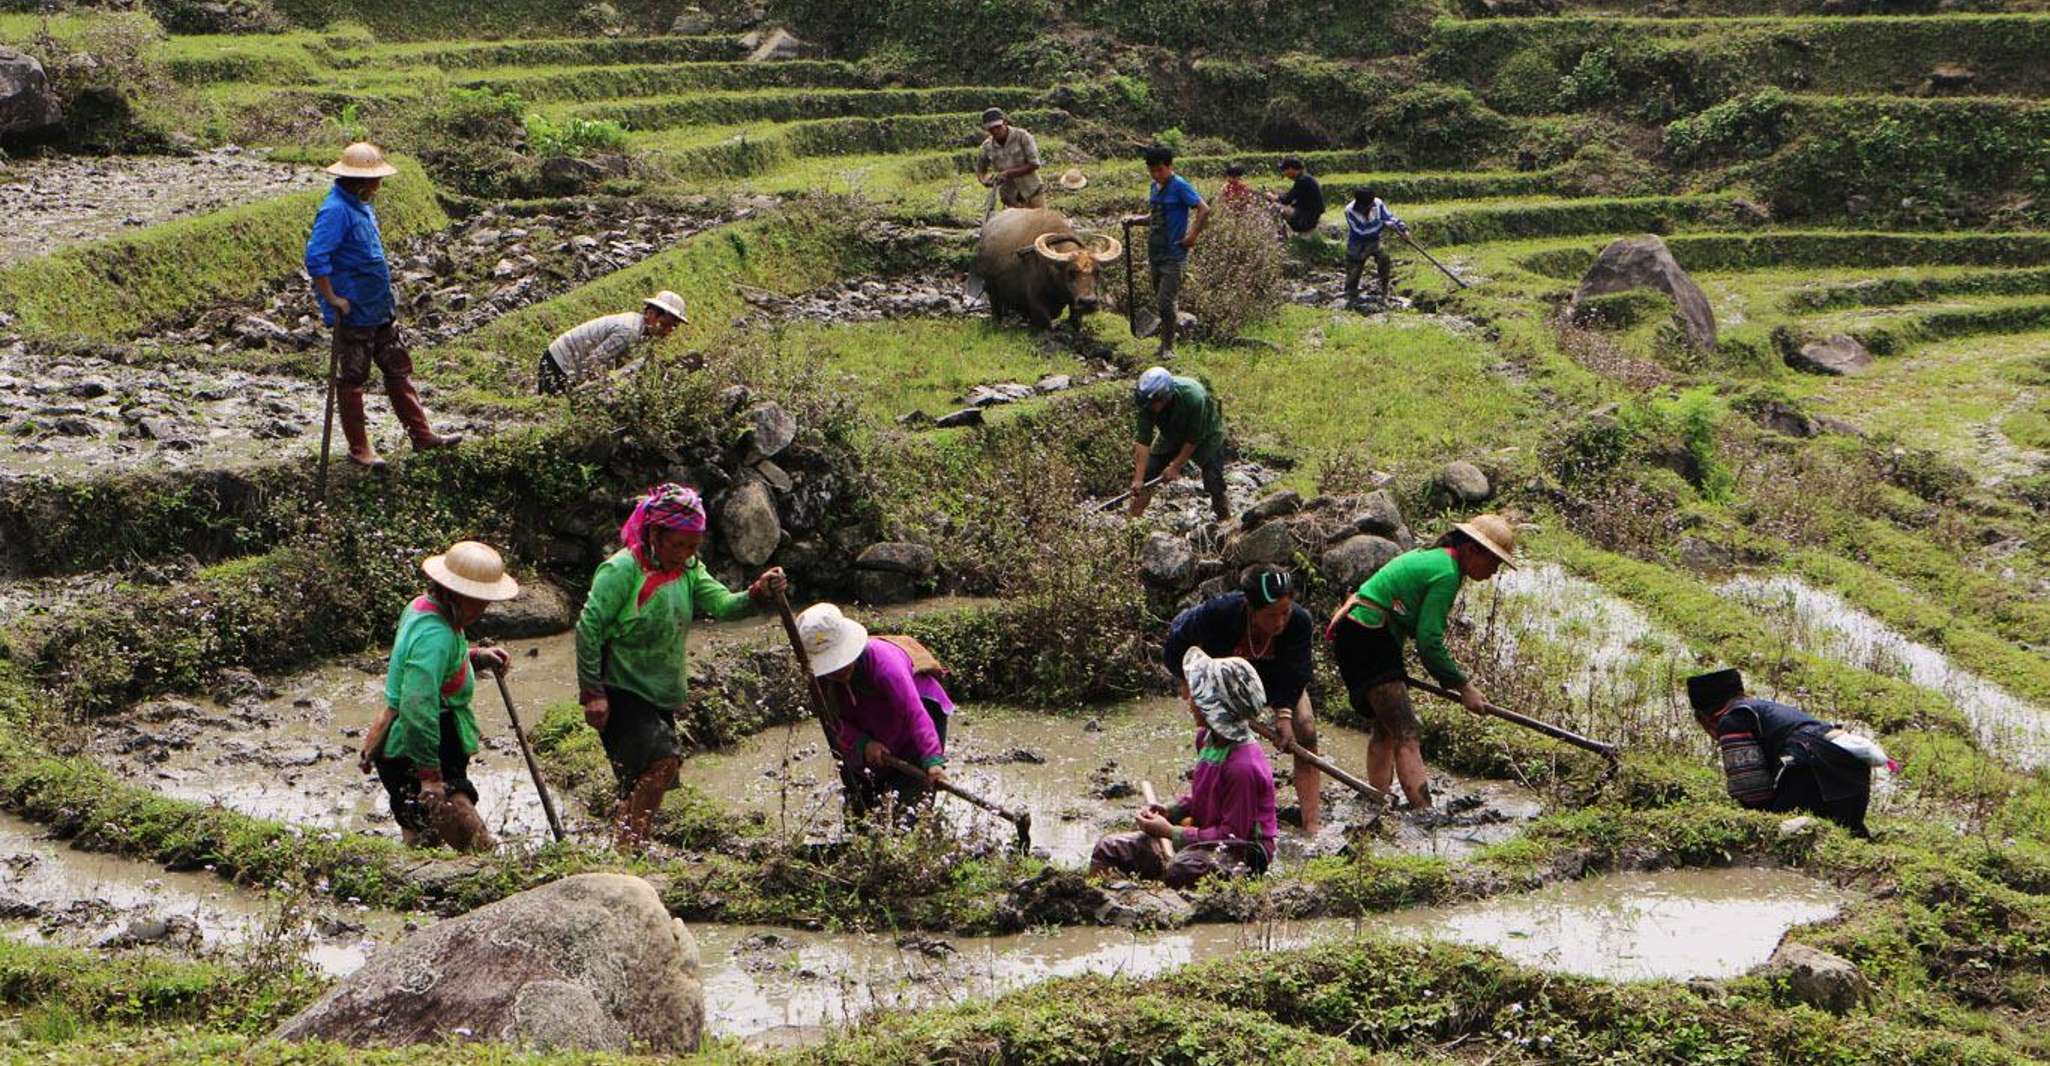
(1154, 384)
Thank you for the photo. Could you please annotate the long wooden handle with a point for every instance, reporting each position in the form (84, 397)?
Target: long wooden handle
(1321, 763)
(1434, 259)
(905, 766)
(1605, 750)
(822, 708)
(1159, 845)
(1127, 494)
(533, 765)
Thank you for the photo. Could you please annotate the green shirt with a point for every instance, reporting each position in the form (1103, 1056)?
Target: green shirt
(638, 645)
(429, 676)
(1191, 415)
(1418, 587)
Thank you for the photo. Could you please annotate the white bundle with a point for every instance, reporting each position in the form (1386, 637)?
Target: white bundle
(1867, 750)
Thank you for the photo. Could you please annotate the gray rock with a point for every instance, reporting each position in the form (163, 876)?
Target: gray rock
(1704, 556)
(1138, 907)
(748, 524)
(1835, 356)
(1273, 543)
(1356, 558)
(1645, 263)
(1379, 514)
(26, 102)
(1165, 561)
(776, 477)
(774, 429)
(1781, 418)
(777, 44)
(879, 587)
(1280, 505)
(1818, 978)
(1055, 383)
(971, 416)
(590, 963)
(1462, 482)
(997, 395)
(90, 389)
(693, 22)
(541, 609)
(899, 557)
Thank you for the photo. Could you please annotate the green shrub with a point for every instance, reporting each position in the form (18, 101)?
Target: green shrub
(573, 137)
(107, 73)
(1593, 82)
(1235, 278)
(1528, 84)
(469, 140)
(1749, 126)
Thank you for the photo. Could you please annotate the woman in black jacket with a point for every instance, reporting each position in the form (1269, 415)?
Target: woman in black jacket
(1777, 758)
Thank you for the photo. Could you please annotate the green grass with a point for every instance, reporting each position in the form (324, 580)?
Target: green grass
(896, 367)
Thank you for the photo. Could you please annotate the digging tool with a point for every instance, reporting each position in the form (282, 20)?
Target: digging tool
(1605, 750)
(989, 206)
(1322, 763)
(829, 722)
(327, 426)
(1143, 320)
(1123, 496)
(533, 767)
(1159, 845)
(1411, 241)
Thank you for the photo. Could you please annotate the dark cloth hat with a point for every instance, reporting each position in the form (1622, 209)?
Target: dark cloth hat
(1708, 692)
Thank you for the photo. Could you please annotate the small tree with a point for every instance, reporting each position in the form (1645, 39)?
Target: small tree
(1235, 272)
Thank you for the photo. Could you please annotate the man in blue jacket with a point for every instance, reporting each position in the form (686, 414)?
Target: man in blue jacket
(1177, 216)
(345, 259)
(1264, 625)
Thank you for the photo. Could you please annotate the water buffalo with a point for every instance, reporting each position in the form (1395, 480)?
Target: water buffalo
(1032, 262)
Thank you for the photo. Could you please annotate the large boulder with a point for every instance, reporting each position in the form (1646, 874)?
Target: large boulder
(899, 557)
(773, 429)
(1645, 263)
(749, 526)
(1836, 355)
(541, 609)
(590, 963)
(1273, 543)
(1818, 978)
(1166, 561)
(1379, 514)
(1461, 483)
(26, 102)
(1355, 559)
(1280, 505)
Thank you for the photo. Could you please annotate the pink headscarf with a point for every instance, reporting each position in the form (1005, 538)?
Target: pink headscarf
(666, 506)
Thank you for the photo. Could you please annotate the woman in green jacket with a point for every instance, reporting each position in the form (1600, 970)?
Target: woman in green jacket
(421, 748)
(1410, 598)
(631, 645)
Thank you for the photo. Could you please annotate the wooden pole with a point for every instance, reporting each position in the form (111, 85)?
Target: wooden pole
(533, 766)
(1321, 763)
(1434, 261)
(1159, 845)
(327, 427)
(1605, 750)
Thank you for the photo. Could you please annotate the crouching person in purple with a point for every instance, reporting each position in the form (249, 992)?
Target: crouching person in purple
(1225, 824)
(890, 702)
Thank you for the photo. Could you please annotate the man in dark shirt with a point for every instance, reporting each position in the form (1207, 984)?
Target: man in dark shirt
(1263, 624)
(1304, 200)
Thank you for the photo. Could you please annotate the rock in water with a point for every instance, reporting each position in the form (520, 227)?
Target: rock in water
(540, 610)
(749, 525)
(1818, 978)
(591, 963)
(26, 103)
(1835, 356)
(1645, 263)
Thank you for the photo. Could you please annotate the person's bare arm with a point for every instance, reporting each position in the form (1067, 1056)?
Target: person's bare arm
(326, 287)
(1197, 219)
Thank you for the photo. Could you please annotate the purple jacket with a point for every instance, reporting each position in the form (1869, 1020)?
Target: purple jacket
(1231, 796)
(885, 701)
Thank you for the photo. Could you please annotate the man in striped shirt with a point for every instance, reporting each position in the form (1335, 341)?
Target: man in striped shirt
(597, 347)
(1365, 218)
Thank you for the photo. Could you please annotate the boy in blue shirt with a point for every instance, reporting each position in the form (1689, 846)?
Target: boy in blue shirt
(345, 259)
(1176, 220)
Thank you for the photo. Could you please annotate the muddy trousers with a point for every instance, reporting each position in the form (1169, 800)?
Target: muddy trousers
(865, 786)
(1384, 270)
(454, 821)
(1134, 855)
(356, 350)
(1800, 789)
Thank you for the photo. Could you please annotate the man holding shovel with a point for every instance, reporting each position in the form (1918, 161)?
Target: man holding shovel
(1009, 162)
(1366, 218)
(1178, 214)
(1177, 422)
(888, 699)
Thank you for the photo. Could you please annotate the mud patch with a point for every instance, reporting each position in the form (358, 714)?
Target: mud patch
(1824, 623)
(57, 202)
(1079, 779)
(772, 987)
(54, 894)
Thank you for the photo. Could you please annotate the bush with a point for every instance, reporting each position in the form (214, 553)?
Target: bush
(1592, 83)
(117, 94)
(576, 137)
(470, 140)
(1235, 276)
(1528, 84)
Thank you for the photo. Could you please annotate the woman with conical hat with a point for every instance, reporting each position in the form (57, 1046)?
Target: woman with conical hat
(632, 640)
(421, 748)
(1410, 599)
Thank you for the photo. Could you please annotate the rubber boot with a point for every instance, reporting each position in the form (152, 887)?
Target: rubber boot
(1168, 324)
(355, 428)
(635, 819)
(405, 403)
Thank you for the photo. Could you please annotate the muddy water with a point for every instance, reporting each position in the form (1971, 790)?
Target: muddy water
(1823, 623)
(78, 898)
(1078, 777)
(776, 986)
(54, 203)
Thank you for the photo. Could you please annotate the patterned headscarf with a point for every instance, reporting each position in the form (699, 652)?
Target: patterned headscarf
(1227, 691)
(666, 506)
